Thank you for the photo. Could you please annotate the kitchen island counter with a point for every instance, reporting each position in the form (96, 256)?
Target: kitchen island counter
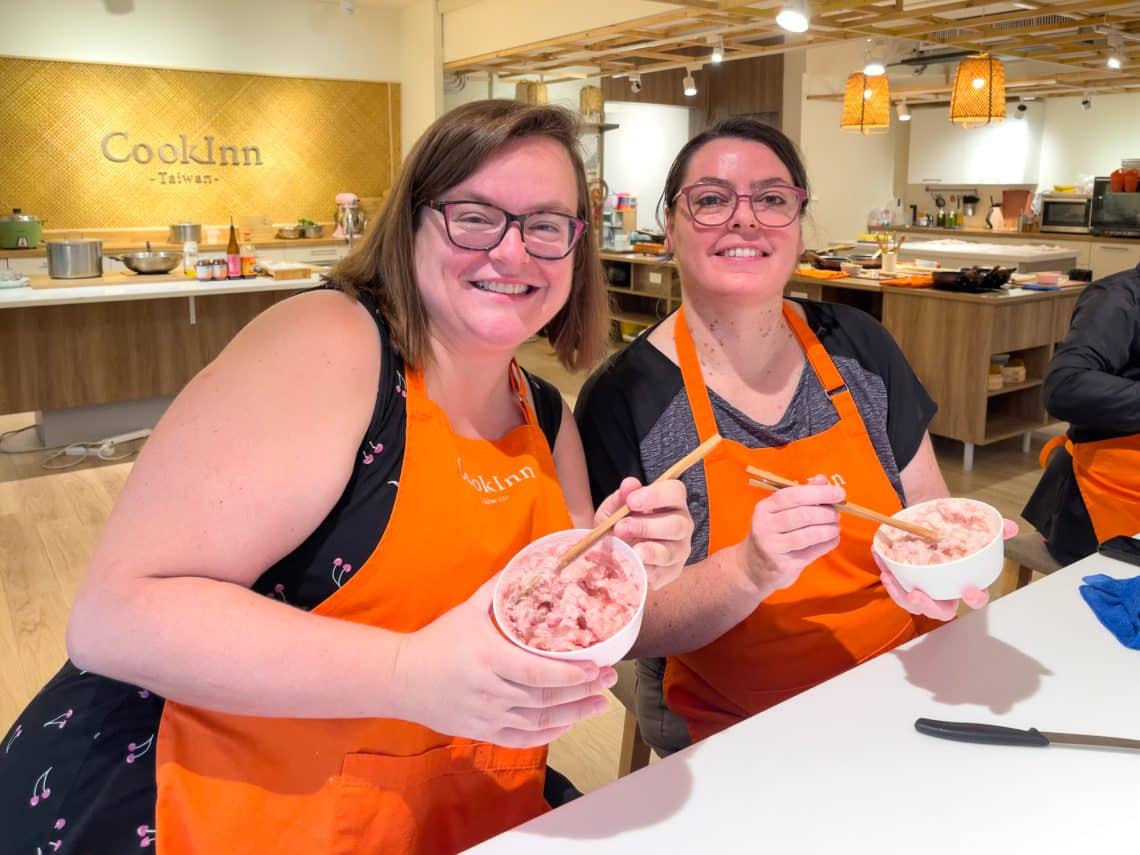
(121, 287)
(106, 356)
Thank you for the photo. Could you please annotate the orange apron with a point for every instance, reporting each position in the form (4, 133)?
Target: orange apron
(1108, 476)
(837, 614)
(242, 784)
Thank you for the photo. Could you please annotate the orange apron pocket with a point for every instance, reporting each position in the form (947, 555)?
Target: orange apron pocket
(435, 801)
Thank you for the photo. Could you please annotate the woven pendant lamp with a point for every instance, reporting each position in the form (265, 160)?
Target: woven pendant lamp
(590, 103)
(978, 96)
(866, 104)
(531, 92)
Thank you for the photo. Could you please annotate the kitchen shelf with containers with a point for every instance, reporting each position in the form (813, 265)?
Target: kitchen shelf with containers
(643, 289)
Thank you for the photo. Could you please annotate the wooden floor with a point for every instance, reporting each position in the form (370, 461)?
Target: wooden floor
(50, 521)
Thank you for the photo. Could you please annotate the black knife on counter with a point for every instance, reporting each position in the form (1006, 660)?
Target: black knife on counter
(993, 734)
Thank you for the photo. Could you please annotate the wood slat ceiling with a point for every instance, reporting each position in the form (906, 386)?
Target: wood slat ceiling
(1072, 36)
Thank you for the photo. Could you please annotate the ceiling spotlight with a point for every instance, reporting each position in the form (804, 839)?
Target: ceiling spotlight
(1086, 102)
(347, 6)
(717, 53)
(635, 82)
(902, 111)
(690, 84)
(794, 16)
(875, 65)
(1115, 59)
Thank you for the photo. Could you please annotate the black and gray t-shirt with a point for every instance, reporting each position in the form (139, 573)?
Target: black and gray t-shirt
(634, 415)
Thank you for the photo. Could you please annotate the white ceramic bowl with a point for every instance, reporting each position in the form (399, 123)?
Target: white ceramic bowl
(948, 580)
(605, 652)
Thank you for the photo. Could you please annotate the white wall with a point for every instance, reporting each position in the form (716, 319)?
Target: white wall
(491, 25)
(421, 70)
(1080, 143)
(292, 38)
(850, 174)
(638, 153)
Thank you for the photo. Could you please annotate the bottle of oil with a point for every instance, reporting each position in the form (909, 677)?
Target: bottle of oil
(233, 254)
(248, 256)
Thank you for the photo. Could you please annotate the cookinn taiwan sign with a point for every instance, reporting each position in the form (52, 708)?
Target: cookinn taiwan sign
(121, 146)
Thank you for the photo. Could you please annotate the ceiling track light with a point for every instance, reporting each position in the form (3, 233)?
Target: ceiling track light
(689, 84)
(347, 6)
(902, 111)
(717, 52)
(635, 81)
(795, 16)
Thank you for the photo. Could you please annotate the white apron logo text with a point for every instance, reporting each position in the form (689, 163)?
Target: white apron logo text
(494, 489)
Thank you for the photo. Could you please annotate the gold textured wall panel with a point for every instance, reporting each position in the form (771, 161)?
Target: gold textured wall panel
(86, 145)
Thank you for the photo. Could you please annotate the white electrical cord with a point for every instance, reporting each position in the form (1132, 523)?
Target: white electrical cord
(103, 449)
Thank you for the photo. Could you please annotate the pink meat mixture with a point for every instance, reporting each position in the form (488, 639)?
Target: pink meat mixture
(964, 528)
(586, 602)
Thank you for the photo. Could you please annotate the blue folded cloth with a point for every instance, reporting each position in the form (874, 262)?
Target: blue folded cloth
(1116, 603)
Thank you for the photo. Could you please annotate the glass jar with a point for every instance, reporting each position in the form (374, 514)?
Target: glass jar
(221, 268)
(205, 270)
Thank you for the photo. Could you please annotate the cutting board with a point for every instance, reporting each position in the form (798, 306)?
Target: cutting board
(120, 278)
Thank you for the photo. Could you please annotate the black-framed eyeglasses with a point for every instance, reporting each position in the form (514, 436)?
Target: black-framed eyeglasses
(477, 225)
(775, 206)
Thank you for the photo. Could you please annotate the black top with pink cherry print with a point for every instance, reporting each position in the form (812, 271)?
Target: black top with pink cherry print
(77, 767)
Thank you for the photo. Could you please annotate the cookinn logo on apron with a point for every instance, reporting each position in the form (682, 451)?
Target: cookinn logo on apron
(495, 487)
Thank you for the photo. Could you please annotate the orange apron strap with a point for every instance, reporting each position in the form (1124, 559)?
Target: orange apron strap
(694, 381)
(1051, 446)
(521, 388)
(829, 376)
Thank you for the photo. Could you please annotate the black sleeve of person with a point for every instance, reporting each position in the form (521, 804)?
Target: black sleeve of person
(847, 331)
(1094, 379)
(547, 407)
(608, 423)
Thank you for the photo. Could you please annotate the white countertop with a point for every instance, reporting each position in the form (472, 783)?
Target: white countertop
(109, 289)
(950, 248)
(840, 767)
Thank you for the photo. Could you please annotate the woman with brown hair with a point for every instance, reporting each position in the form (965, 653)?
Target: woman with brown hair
(289, 605)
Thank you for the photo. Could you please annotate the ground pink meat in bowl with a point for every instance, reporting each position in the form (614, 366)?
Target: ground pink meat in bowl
(583, 604)
(964, 527)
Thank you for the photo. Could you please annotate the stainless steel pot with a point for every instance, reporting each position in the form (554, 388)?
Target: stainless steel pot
(80, 258)
(182, 232)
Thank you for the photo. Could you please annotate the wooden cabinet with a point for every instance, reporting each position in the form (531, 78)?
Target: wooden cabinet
(1109, 258)
(949, 342)
(642, 291)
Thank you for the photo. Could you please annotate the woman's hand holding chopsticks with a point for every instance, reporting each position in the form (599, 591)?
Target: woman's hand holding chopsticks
(790, 529)
(659, 526)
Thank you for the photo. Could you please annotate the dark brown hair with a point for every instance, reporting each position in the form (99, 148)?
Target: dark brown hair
(736, 127)
(454, 147)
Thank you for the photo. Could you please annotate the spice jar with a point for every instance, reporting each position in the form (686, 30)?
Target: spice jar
(204, 270)
(221, 268)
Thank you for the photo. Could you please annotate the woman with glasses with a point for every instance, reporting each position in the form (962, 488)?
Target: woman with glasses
(290, 603)
(782, 592)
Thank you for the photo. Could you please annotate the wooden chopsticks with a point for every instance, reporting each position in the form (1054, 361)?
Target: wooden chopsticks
(609, 522)
(760, 478)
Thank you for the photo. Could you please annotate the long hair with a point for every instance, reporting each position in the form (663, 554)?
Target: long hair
(455, 146)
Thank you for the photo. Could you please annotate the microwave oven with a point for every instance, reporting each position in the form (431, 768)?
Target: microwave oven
(1114, 214)
(1065, 212)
